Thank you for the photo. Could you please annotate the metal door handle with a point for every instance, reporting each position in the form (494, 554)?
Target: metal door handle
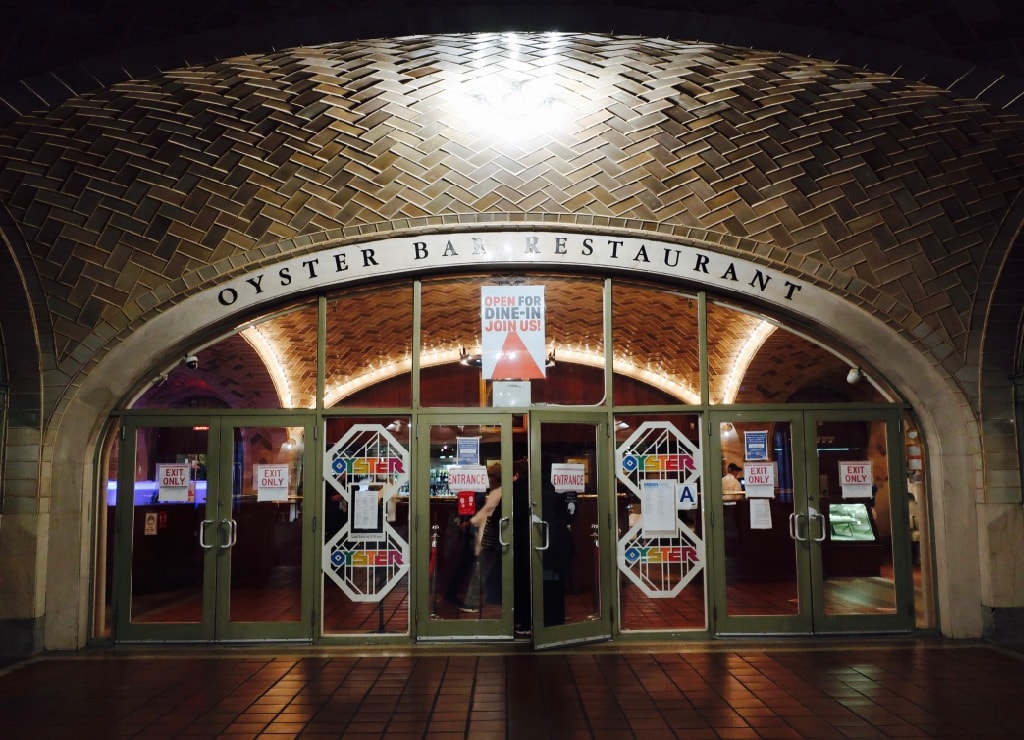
(202, 533)
(815, 514)
(538, 520)
(232, 533)
(794, 527)
(501, 523)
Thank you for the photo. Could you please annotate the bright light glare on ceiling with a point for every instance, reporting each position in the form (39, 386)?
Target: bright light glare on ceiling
(511, 109)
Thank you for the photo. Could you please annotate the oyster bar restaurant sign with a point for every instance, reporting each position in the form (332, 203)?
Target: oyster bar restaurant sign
(397, 255)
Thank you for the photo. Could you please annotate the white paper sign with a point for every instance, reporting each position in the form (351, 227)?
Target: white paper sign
(468, 478)
(856, 479)
(568, 477)
(367, 513)
(658, 507)
(271, 482)
(759, 479)
(760, 514)
(173, 481)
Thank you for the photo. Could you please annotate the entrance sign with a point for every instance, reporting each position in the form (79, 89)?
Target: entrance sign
(512, 332)
(366, 558)
(174, 482)
(658, 459)
(468, 478)
(271, 482)
(568, 477)
(856, 479)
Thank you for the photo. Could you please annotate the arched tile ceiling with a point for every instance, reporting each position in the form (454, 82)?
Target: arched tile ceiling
(890, 193)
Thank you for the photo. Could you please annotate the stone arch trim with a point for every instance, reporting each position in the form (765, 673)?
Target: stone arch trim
(901, 318)
(946, 420)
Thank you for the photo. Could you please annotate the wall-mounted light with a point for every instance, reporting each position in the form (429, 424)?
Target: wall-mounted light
(469, 360)
(854, 376)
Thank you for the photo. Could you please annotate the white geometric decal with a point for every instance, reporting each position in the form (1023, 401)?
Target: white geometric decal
(663, 564)
(367, 557)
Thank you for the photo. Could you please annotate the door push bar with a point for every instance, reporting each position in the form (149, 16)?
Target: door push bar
(232, 533)
(812, 514)
(202, 534)
(537, 520)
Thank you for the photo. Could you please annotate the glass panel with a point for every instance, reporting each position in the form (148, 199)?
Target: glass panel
(657, 352)
(369, 348)
(167, 524)
(661, 583)
(760, 553)
(268, 363)
(853, 483)
(451, 331)
(366, 549)
(266, 527)
(466, 567)
(571, 576)
(753, 360)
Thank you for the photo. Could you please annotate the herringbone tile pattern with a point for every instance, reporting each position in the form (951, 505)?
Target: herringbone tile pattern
(890, 193)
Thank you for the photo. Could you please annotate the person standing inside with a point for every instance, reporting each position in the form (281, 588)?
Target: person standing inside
(732, 488)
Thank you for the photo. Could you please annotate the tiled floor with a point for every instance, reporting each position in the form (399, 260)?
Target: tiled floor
(748, 689)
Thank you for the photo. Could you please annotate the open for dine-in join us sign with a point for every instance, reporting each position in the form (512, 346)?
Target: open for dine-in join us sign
(512, 332)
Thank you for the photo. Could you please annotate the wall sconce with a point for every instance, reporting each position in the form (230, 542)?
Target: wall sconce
(854, 376)
(469, 360)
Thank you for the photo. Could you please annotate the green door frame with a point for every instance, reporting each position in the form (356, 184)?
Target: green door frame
(431, 629)
(811, 617)
(216, 561)
(594, 630)
(903, 579)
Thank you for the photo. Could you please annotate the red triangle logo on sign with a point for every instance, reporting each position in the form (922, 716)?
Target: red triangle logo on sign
(515, 361)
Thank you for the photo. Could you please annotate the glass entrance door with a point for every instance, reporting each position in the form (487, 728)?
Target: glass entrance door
(211, 535)
(803, 524)
(513, 527)
(472, 481)
(572, 547)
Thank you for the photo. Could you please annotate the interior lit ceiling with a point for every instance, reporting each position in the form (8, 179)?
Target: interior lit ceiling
(369, 336)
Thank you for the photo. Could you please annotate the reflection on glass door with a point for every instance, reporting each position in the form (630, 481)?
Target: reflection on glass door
(164, 508)
(571, 542)
(211, 542)
(763, 523)
(473, 478)
(806, 539)
(865, 564)
(264, 532)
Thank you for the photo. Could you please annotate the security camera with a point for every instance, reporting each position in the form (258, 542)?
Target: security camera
(192, 362)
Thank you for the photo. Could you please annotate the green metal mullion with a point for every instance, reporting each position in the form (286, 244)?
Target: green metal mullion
(702, 341)
(609, 349)
(417, 312)
(321, 352)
